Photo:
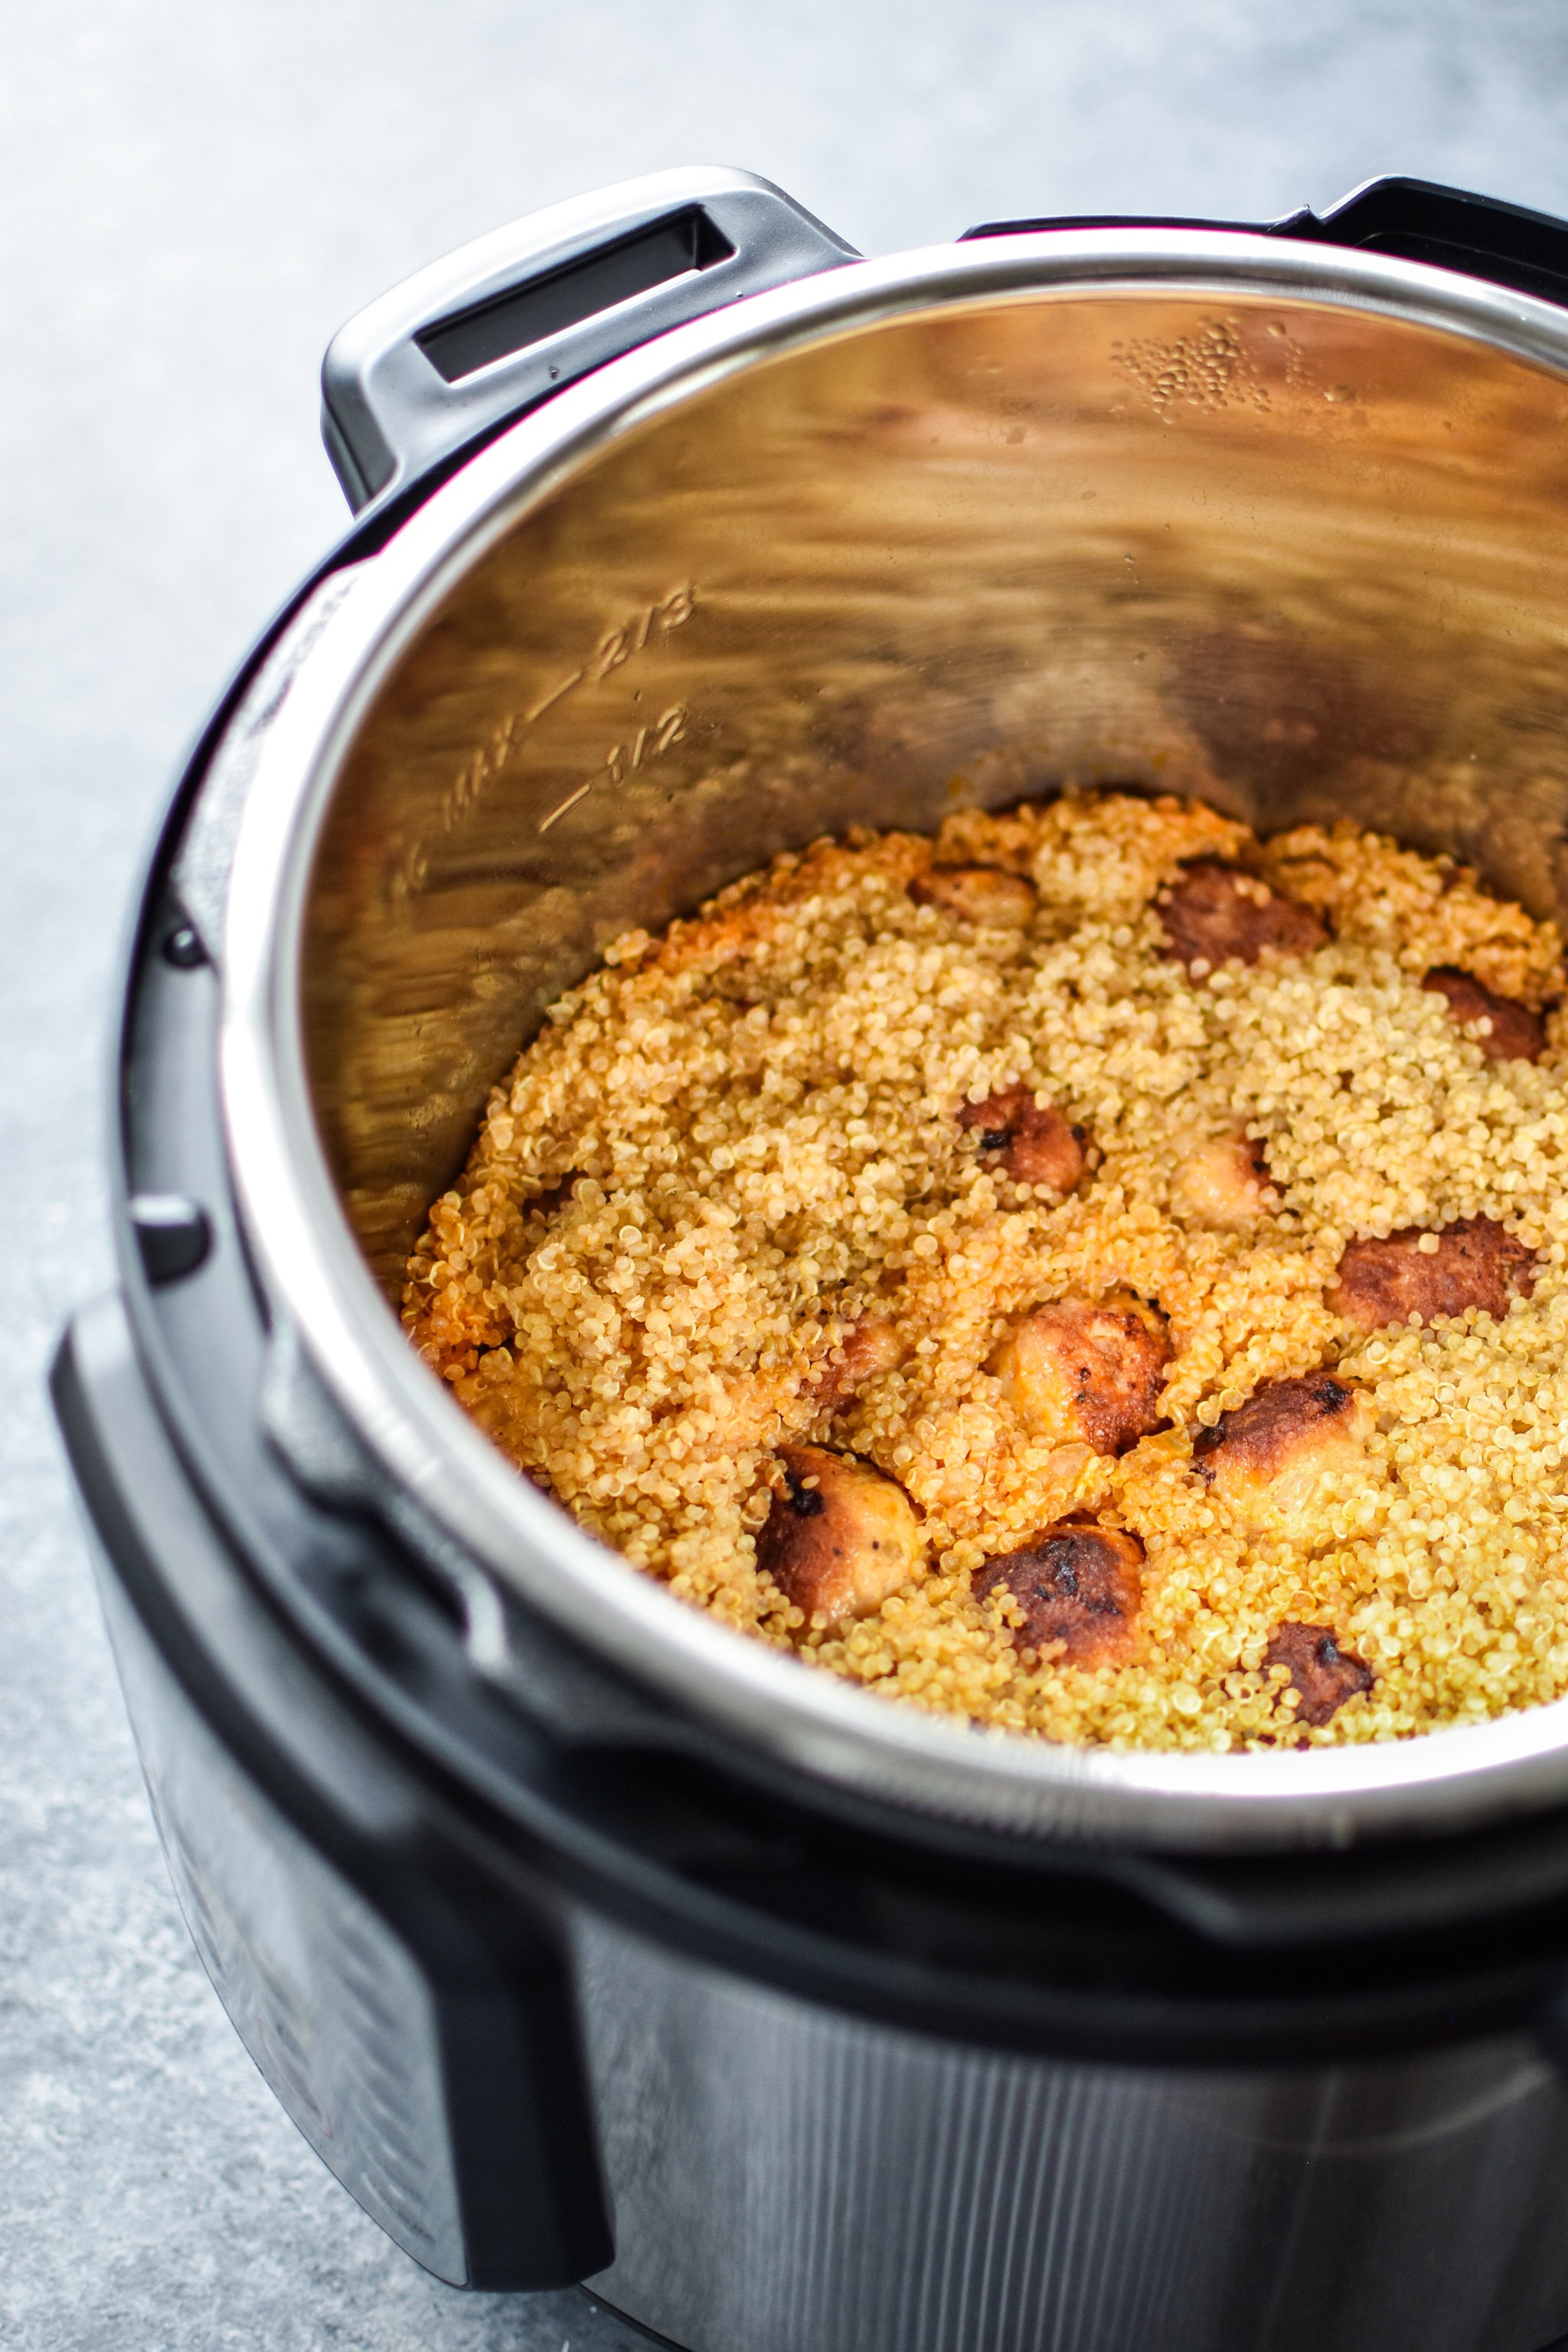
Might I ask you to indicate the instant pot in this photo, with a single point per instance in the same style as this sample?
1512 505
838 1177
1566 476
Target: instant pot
583 1938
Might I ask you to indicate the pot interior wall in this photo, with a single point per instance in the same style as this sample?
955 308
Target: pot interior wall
1304 559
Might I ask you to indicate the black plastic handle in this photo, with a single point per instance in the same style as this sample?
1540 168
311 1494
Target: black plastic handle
473 342
1416 220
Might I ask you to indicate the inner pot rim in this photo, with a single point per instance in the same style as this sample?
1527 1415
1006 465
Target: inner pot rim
311 1268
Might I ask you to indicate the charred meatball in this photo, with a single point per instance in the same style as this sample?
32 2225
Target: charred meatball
1324 1674
1272 1452
1078 1587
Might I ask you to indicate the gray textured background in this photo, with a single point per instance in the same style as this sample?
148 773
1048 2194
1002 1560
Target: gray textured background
192 197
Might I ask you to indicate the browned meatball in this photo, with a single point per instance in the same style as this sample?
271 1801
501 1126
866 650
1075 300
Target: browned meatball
1225 1184
1030 1142
1090 1373
1324 1674
1078 1585
1476 1263
1271 1451
873 1346
1513 1033
986 895
840 1537
1215 914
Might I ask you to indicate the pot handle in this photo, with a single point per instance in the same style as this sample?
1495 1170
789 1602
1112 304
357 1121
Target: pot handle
470 343
1416 219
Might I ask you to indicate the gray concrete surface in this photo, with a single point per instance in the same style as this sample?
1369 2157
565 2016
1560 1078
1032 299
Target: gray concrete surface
191 198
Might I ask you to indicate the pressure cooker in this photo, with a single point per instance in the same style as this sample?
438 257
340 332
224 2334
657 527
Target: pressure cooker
584 1939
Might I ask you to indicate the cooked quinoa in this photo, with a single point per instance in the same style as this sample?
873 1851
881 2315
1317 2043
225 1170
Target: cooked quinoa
746 1211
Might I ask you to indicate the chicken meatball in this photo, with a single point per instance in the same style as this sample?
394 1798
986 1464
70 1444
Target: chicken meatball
1225 1184
1215 914
984 895
839 1537
1076 1371
1270 1453
1512 1032
873 1346
1320 1670
1476 1263
1028 1140
1078 1587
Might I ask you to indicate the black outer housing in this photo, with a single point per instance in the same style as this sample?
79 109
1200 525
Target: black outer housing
322 1652
1418 220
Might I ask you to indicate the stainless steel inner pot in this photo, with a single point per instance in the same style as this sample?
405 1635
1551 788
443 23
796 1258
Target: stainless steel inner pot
1191 511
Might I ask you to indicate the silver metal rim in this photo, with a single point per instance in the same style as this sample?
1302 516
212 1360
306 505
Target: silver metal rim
313 1272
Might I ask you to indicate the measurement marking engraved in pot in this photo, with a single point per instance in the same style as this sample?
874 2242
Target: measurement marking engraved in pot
614 648
647 744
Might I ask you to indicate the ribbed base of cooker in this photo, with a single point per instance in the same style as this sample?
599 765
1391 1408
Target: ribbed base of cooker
787 2181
